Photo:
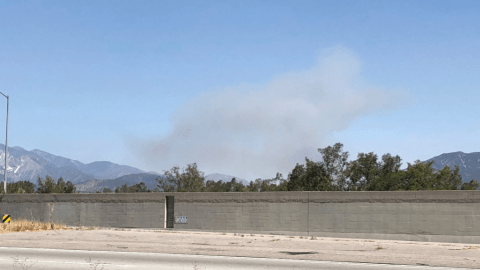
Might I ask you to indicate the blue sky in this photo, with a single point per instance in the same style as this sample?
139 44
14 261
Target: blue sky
246 88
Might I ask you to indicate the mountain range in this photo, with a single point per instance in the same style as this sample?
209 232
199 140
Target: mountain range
468 163
29 165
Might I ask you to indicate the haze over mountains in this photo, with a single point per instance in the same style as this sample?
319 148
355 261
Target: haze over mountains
28 165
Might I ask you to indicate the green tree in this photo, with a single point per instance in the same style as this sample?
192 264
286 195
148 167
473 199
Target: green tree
212 186
363 171
122 189
70 187
46 186
60 186
18 187
282 186
49 186
419 176
446 179
389 177
335 162
140 187
107 190
254 186
190 180
234 186
473 185
311 177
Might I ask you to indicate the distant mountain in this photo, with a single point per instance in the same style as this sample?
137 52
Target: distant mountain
148 178
469 164
131 179
225 178
28 165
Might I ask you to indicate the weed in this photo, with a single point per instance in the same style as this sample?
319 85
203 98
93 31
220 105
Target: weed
379 247
21 263
95 265
195 267
23 225
313 238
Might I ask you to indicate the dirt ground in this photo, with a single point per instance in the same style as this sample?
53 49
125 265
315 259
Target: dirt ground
252 245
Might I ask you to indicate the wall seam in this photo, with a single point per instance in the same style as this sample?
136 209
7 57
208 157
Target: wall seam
308 215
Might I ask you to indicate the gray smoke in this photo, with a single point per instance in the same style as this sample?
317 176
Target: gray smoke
258 131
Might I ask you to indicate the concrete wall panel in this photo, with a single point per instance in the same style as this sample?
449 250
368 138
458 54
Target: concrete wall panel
418 215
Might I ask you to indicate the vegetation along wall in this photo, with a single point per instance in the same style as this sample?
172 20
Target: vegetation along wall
440 216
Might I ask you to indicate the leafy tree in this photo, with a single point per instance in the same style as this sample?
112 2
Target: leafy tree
473 185
18 187
190 180
363 171
60 186
122 189
389 176
419 176
335 162
296 179
212 186
234 186
446 179
107 190
253 186
46 186
140 187
266 185
282 186
49 186
311 177
70 187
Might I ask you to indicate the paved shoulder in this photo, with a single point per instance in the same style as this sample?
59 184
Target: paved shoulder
53 259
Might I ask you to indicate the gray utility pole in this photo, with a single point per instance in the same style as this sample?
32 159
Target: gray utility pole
6 150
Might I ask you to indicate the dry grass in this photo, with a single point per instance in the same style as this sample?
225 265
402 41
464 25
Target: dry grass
32 226
471 247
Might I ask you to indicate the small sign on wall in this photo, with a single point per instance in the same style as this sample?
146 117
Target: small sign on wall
181 219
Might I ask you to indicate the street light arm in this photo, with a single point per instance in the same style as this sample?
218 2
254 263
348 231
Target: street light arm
4 95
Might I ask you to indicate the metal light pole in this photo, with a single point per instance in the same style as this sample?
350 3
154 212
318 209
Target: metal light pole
6 150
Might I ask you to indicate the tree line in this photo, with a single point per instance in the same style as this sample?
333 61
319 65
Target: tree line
47 185
334 173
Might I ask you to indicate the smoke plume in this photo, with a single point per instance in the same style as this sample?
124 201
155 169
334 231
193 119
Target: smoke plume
255 132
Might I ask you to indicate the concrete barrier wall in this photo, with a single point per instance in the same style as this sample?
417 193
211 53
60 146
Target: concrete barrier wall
442 216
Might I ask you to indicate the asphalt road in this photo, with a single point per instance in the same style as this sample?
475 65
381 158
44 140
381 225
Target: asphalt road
53 259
